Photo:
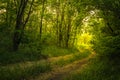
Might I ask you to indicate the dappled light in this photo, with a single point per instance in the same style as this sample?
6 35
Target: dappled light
84 41
59 39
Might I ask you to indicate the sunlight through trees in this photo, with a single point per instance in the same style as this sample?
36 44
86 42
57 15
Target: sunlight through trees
38 29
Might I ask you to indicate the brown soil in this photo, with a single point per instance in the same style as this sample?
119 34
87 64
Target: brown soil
58 73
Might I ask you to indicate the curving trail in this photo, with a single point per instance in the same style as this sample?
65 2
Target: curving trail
58 73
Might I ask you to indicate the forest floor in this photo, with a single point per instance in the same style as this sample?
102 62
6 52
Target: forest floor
51 68
59 73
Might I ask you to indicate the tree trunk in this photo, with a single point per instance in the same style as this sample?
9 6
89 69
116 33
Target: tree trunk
20 24
41 19
68 33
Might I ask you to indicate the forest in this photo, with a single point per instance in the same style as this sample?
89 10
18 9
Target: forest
59 39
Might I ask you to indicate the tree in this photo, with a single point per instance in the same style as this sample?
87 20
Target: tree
42 15
21 21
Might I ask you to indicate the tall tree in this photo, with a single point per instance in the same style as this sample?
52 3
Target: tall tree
21 21
41 18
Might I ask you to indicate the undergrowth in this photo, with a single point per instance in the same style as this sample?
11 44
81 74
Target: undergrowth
19 56
75 57
98 69
23 73
54 51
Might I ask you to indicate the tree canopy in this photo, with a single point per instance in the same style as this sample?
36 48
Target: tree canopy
30 26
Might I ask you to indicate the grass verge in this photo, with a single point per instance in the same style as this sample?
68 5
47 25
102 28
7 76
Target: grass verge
98 69
76 56
22 72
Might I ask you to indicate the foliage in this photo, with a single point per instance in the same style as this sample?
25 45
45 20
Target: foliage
31 30
98 69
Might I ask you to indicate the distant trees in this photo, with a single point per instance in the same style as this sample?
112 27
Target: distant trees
42 16
56 22
54 18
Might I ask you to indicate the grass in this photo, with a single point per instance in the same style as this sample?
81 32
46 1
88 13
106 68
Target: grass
32 54
98 69
54 51
22 71
17 57
19 72
74 57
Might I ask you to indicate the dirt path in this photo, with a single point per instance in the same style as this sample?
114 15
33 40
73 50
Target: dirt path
58 73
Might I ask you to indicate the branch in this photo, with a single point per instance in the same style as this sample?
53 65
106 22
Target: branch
30 10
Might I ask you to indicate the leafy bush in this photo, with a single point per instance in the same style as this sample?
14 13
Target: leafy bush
108 46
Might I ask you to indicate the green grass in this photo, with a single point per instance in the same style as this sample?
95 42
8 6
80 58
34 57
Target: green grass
54 51
32 54
75 57
22 73
19 56
98 69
